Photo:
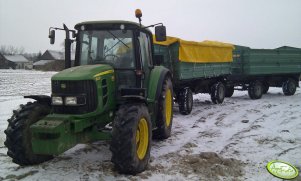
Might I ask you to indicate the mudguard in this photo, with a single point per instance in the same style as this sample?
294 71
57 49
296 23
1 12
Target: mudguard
157 77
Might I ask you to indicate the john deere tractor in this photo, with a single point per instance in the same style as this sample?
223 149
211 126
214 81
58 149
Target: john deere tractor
113 92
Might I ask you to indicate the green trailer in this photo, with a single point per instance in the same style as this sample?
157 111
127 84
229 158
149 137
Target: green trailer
256 70
197 67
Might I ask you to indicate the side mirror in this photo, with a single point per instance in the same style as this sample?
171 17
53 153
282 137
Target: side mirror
160 32
159 59
52 36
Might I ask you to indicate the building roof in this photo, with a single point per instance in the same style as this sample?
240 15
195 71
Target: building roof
16 58
43 62
57 55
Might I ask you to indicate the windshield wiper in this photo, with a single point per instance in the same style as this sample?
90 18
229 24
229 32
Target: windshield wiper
113 46
118 39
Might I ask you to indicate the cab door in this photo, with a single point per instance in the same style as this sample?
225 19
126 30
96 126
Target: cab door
145 50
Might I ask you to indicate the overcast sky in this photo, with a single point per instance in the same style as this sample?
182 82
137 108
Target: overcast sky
254 23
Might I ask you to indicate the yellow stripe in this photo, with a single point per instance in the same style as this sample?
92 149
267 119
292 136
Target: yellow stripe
104 73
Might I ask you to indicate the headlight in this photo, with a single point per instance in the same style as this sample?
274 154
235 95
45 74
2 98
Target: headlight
71 101
57 101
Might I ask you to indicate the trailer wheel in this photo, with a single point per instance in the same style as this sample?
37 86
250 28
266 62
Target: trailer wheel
255 90
185 100
289 87
131 139
18 134
165 111
265 88
217 93
229 91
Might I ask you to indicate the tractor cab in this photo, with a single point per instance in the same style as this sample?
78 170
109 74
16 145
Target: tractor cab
126 46
123 45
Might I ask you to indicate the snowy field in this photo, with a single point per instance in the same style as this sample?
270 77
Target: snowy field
231 141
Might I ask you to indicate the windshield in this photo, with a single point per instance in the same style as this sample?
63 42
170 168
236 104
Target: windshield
114 47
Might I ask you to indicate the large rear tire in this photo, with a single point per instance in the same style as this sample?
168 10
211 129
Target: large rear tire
131 139
185 100
255 90
289 87
217 93
18 134
165 111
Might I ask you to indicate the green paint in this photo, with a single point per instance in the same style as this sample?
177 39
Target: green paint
85 72
282 170
247 61
55 133
153 83
183 71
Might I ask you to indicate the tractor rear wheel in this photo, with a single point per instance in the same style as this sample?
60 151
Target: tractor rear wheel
131 139
255 90
165 111
185 99
18 134
217 93
289 87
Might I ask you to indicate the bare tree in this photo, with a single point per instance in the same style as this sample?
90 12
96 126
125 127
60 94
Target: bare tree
11 50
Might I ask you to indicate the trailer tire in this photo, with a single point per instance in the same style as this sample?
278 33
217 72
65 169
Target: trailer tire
289 87
185 101
131 139
218 93
18 134
229 91
165 111
255 90
265 88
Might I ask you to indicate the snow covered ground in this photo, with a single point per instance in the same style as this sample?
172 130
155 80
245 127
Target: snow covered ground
231 141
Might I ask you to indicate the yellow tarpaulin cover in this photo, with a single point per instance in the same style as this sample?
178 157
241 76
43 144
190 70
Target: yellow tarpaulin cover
206 51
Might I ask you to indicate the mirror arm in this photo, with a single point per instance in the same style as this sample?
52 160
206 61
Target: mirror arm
153 25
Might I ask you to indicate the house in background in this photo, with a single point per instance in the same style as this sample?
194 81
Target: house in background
51 60
14 62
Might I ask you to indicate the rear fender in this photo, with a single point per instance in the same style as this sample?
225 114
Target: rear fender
157 77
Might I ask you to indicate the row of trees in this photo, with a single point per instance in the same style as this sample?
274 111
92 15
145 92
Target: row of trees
12 50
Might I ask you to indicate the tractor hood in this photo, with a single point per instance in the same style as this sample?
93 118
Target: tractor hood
85 72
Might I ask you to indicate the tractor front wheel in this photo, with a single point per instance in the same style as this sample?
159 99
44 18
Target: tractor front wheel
131 139
18 134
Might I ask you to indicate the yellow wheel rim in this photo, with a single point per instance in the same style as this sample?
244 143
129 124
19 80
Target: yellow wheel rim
142 138
168 107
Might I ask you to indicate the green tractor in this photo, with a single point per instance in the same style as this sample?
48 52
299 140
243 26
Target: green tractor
113 92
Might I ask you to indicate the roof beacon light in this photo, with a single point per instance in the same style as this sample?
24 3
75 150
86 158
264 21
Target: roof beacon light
138 15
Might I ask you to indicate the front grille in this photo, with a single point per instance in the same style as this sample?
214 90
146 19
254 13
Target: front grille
74 88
